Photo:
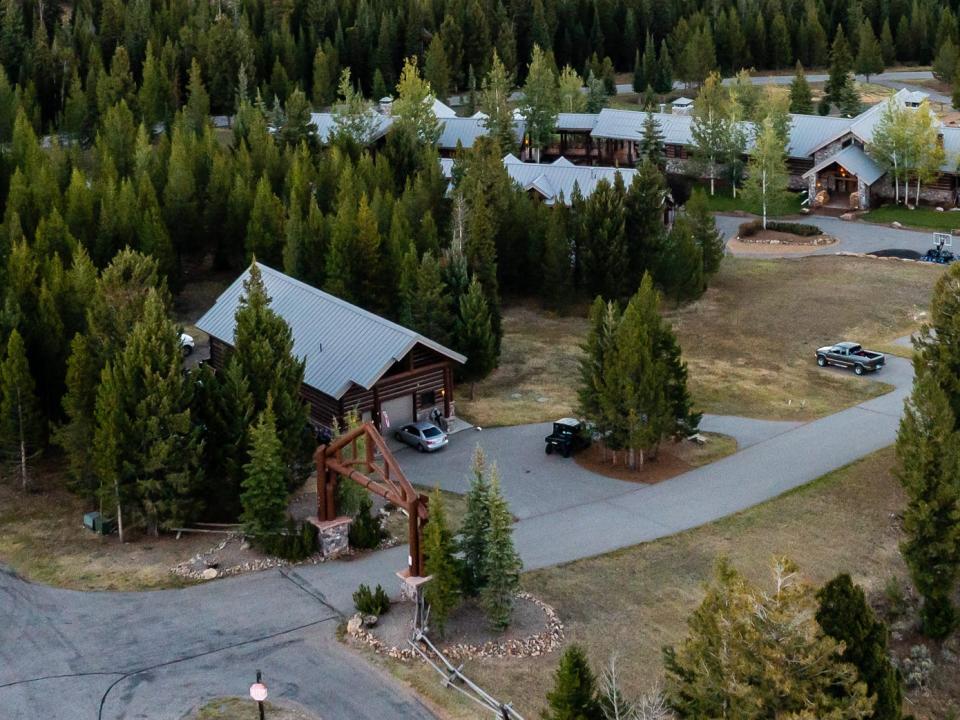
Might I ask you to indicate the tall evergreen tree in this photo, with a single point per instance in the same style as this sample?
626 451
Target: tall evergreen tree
264 351
264 495
557 279
840 81
495 103
474 533
442 593
869 60
844 615
651 146
21 423
265 232
474 334
430 312
597 348
413 108
801 98
705 232
501 563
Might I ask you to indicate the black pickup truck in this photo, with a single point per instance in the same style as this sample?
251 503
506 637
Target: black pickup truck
848 354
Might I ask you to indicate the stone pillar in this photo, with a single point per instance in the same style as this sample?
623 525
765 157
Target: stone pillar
333 535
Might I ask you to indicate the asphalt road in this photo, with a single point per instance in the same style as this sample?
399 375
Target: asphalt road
852 236
156 655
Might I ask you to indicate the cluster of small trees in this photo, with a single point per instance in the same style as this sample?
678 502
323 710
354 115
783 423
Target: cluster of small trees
928 450
751 652
906 145
633 383
481 561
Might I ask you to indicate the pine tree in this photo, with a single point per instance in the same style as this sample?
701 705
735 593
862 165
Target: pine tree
21 423
476 526
442 593
501 563
887 49
436 68
869 55
597 348
681 267
839 82
945 64
603 233
640 80
752 653
705 232
574 693
413 108
596 94
197 110
430 311
651 146
844 615
644 204
265 232
801 98
928 450
495 103
557 279
264 495
264 351
474 334
540 101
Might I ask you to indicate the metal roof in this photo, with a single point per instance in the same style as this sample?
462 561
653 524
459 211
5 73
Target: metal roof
808 133
327 124
341 344
855 161
569 122
466 130
558 179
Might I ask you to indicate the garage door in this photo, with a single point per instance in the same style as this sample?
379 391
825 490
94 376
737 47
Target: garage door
398 411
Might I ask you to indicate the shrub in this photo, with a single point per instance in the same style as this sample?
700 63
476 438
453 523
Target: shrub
896 600
371 603
366 530
754 226
918 667
296 542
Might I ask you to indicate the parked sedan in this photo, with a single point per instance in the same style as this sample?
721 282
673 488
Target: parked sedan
424 436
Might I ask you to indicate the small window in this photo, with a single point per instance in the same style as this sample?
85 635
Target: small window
428 397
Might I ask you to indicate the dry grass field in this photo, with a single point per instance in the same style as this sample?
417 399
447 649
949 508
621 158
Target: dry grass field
749 341
636 601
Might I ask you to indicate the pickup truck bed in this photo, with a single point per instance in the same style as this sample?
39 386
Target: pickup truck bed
850 355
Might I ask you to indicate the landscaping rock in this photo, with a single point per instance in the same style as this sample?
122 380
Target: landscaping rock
355 624
895 224
209 574
848 216
370 620
939 209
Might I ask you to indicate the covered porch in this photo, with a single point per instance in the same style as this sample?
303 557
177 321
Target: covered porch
843 180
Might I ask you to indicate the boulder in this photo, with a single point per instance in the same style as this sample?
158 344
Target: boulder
370 620
354 624
209 574
895 224
939 209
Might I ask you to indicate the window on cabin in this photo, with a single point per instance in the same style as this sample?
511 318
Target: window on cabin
428 397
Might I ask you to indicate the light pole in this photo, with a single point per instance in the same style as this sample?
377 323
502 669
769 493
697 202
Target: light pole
258 691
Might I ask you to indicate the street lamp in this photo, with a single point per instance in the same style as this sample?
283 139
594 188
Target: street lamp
258 691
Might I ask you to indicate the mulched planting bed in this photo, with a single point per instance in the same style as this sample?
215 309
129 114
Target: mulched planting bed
534 630
665 466
775 237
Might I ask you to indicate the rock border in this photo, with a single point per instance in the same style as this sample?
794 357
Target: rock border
804 241
541 643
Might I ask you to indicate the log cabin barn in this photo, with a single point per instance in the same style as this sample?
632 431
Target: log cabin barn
354 360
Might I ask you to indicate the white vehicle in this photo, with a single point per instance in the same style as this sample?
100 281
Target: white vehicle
187 343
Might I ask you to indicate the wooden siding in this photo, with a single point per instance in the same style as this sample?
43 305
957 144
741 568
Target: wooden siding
421 370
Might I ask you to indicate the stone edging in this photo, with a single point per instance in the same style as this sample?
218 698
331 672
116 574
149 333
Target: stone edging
186 570
541 643
814 241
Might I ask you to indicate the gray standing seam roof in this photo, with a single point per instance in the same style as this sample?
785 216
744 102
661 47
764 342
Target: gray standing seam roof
341 344
327 124
553 180
466 130
855 161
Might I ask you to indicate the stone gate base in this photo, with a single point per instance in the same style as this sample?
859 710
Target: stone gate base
333 535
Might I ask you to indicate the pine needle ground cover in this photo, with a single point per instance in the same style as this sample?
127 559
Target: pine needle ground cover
634 601
749 341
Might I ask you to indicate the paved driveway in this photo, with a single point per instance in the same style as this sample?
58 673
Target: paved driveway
852 236
157 655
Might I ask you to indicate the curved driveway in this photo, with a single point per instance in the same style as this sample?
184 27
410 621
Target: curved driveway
156 655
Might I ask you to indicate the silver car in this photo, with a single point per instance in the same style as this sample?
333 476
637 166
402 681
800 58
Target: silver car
424 436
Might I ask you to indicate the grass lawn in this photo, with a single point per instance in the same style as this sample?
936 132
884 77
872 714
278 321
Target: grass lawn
921 217
635 601
454 506
235 708
748 341
723 201
42 537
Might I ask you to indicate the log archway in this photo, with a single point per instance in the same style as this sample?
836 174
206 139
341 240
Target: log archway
353 455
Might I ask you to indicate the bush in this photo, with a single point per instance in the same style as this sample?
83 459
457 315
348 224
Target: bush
366 530
896 600
754 226
295 543
371 603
